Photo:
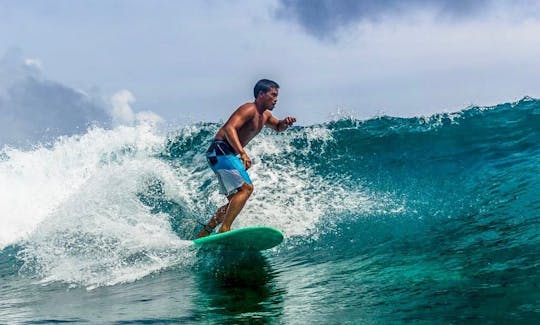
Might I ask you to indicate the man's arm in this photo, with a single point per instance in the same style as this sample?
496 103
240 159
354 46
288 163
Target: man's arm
279 125
235 122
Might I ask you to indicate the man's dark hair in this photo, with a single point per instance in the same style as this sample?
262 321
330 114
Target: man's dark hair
264 85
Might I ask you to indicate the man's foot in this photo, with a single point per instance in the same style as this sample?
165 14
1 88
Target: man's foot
207 230
224 229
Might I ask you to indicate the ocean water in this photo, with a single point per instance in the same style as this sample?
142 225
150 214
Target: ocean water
432 220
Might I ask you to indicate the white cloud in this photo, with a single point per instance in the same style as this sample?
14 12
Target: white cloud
34 63
122 113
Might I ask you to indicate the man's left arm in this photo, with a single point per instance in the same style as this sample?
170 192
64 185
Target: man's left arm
280 125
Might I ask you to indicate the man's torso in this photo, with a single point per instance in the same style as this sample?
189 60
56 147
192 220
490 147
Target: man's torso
251 127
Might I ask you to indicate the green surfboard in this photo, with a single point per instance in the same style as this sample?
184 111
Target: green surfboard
250 238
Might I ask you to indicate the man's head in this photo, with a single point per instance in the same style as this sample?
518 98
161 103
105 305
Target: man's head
264 85
266 92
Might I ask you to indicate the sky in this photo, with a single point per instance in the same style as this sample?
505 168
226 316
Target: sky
67 63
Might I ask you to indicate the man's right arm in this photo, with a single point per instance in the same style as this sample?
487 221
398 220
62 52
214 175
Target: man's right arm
236 121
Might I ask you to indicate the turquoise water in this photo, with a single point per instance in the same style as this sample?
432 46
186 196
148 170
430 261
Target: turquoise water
387 220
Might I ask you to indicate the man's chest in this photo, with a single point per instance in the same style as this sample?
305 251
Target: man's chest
255 124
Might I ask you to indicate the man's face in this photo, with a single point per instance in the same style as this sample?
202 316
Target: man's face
270 98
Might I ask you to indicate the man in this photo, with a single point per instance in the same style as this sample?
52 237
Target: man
243 125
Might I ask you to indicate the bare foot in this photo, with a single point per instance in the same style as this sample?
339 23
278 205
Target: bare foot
205 232
224 229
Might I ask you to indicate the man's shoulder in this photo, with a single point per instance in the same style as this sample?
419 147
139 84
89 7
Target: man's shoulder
247 108
248 105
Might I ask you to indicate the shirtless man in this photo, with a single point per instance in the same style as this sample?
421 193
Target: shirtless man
243 125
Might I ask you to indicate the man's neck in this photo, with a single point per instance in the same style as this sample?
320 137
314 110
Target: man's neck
259 107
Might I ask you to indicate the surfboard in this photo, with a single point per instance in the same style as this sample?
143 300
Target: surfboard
250 238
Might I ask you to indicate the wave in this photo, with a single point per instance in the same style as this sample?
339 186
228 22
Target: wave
112 206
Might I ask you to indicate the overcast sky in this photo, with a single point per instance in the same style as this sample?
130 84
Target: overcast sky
198 60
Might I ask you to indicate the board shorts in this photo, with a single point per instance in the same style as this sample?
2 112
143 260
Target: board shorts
228 168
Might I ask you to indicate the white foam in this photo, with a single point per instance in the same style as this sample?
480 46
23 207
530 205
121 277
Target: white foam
35 182
77 212
103 234
295 198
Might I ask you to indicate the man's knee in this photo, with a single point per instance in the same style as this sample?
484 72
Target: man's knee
247 187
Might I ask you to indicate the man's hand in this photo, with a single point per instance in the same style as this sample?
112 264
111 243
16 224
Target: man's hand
289 120
246 160
286 122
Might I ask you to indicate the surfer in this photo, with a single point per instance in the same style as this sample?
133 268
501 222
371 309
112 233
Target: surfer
243 125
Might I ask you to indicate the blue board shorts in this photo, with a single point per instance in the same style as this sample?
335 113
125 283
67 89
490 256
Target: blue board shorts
228 168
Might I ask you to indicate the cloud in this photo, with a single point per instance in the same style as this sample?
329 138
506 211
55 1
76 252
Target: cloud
122 113
35 109
34 63
406 59
323 18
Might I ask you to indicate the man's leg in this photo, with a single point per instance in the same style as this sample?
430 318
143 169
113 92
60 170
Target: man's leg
229 211
214 221
236 203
